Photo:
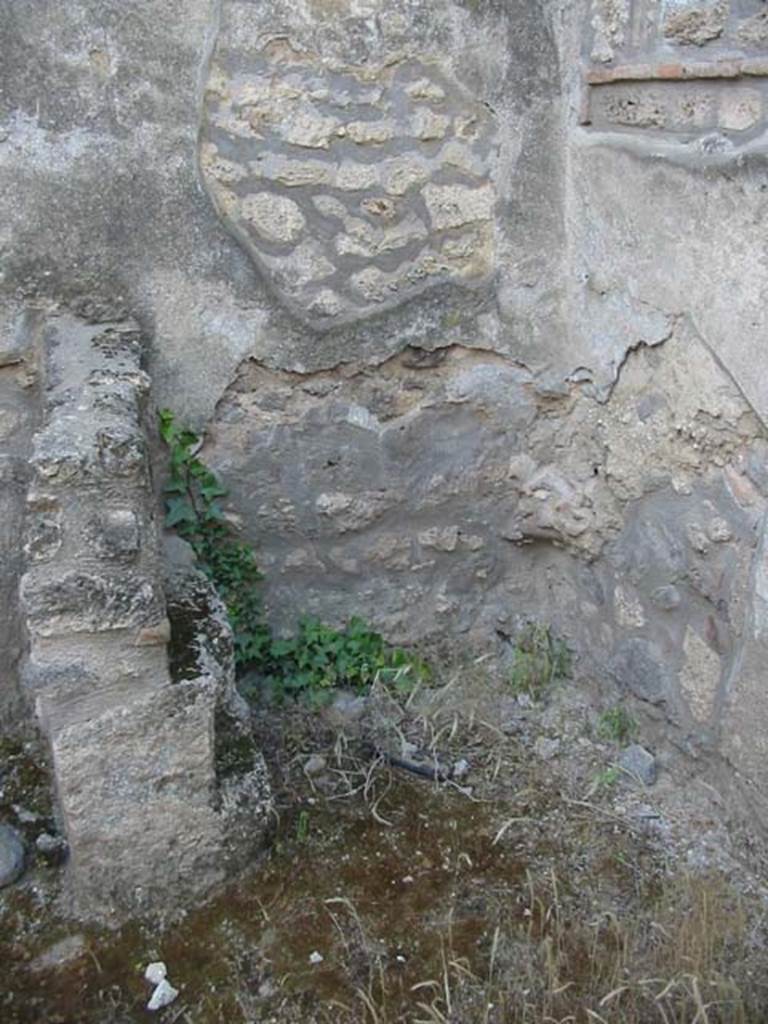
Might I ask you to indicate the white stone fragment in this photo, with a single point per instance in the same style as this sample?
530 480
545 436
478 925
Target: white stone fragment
163 995
458 154
316 958
326 303
361 239
423 89
309 129
373 284
411 229
225 171
305 264
402 173
740 109
444 539
355 177
293 173
329 207
156 972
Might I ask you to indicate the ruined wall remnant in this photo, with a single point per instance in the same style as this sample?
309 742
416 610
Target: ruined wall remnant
18 416
607 477
133 751
469 299
685 97
676 113
633 525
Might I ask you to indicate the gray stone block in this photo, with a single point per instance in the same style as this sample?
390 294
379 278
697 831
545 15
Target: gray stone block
11 855
116 534
136 790
87 602
637 666
639 763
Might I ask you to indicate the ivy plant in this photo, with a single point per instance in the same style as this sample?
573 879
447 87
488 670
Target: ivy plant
317 657
193 510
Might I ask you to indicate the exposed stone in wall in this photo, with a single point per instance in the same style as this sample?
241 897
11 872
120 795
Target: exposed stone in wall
692 109
360 160
753 32
661 88
133 752
18 415
672 115
609 20
443 494
694 23
354 187
112 172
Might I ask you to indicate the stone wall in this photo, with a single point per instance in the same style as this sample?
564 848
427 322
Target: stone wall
469 297
667 195
19 412
134 750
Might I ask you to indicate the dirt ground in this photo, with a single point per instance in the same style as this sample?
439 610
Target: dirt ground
538 882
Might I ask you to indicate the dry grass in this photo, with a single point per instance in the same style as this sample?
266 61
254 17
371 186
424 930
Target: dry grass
602 930
672 965
516 899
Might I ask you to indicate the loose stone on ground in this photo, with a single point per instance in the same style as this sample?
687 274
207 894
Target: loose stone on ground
639 763
11 855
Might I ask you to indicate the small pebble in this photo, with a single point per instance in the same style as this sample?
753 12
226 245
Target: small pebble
267 989
25 816
163 995
347 710
315 764
546 748
461 769
156 972
639 763
52 848
316 958
61 953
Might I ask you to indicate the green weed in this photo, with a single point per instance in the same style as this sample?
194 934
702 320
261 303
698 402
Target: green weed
616 725
539 659
317 657
605 779
302 827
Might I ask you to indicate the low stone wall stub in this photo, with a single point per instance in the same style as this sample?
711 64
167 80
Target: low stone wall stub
134 751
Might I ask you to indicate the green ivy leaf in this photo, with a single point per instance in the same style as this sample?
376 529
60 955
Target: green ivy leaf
213 490
179 510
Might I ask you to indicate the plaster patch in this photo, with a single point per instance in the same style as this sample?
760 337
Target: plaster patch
700 676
